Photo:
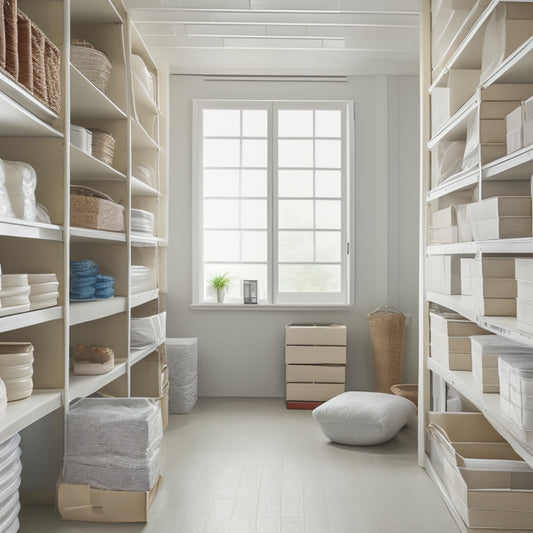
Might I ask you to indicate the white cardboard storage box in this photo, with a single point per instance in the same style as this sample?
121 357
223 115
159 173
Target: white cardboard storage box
502 228
493 267
313 392
316 334
335 355
81 502
455 325
500 207
493 287
451 360
450 344
524 290
494 306
524 311
443 274
315 373
443 235
443 218
523 269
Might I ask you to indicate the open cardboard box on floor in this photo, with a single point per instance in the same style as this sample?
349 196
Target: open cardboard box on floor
83 503
484 496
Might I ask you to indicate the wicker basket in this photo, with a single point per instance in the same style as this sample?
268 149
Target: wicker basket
52 67
24 49
37 58
103 146
94 210
407 390
11 36
92 63
387 333
2 36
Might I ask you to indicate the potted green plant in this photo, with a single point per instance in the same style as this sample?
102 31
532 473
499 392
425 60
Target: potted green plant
220 282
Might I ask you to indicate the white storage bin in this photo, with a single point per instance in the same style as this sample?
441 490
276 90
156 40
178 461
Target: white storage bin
81 138
443 274
142 221
446 160
148 330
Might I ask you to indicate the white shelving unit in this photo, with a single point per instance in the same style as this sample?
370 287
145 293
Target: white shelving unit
465 52
31 132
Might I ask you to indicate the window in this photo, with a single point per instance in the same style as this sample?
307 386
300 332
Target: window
271 187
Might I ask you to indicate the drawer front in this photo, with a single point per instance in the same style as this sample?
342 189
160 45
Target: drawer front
316 373
313 391
333 355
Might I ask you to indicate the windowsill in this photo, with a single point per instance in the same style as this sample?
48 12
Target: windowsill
270 307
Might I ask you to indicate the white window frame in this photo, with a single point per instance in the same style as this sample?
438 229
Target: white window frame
275 298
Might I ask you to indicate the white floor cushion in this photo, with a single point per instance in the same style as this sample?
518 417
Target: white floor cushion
362 418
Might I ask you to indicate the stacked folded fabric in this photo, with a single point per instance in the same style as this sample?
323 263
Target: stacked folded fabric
14 294
43 290
10 471
86 283
142 221
16 369
141 278
113 443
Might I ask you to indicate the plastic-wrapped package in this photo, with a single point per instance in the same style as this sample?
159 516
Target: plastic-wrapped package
129 427
5 204
21 181
147 330
41 214
182 357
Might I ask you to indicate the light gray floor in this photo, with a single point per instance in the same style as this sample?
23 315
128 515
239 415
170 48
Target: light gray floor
249 465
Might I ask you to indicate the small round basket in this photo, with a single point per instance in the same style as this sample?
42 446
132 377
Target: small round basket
407 390
103 146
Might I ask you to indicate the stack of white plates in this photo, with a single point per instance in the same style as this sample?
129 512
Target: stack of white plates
81 138
15 294
142 221
143 173
141 278
16 369
43 290
10 470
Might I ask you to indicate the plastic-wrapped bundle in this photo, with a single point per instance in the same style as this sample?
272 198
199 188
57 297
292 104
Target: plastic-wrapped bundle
21 181
182 357
5 204
147 330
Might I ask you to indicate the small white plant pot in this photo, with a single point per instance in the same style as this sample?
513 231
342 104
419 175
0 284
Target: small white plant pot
221 293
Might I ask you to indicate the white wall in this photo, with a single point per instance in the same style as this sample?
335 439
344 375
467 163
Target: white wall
241 352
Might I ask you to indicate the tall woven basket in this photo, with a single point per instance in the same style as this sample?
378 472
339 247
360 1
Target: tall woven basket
387 333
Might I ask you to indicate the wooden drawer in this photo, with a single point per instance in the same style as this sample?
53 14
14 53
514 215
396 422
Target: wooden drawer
316 373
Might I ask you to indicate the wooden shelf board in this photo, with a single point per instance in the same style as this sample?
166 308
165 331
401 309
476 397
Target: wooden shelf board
87 101
84 166
515 166
489 404
143 297
140 138
455 127
30 318
139 188
21 113
81 312
81 386
84 235
138 355
142 98
459 181
22 413
15 227
499 246
93 12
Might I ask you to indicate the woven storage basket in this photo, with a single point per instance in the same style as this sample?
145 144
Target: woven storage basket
94 210
52 68
92 63
2 36
103 146
11 33
38 39
387 332
407 390
24 47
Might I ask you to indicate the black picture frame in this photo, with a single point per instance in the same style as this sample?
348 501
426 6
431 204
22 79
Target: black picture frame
249 291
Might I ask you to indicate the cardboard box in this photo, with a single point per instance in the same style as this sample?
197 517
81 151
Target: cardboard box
313 392
494 306
444 218
315 373
443 274
497 109
524 291
503 188
493 267
443 235
523 269
493 288
81 502
146 377
507 92
502 228
486 376
524 312
492 130
514 140
316 334
450 344
500 207
451 360
454 325
331 355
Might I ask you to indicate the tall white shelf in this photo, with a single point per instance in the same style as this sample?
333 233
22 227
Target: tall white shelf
465 53
31 132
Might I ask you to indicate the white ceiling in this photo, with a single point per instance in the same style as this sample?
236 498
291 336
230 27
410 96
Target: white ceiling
282 37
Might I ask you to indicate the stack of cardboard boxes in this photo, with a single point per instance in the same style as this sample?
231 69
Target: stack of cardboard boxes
315 357
524 302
